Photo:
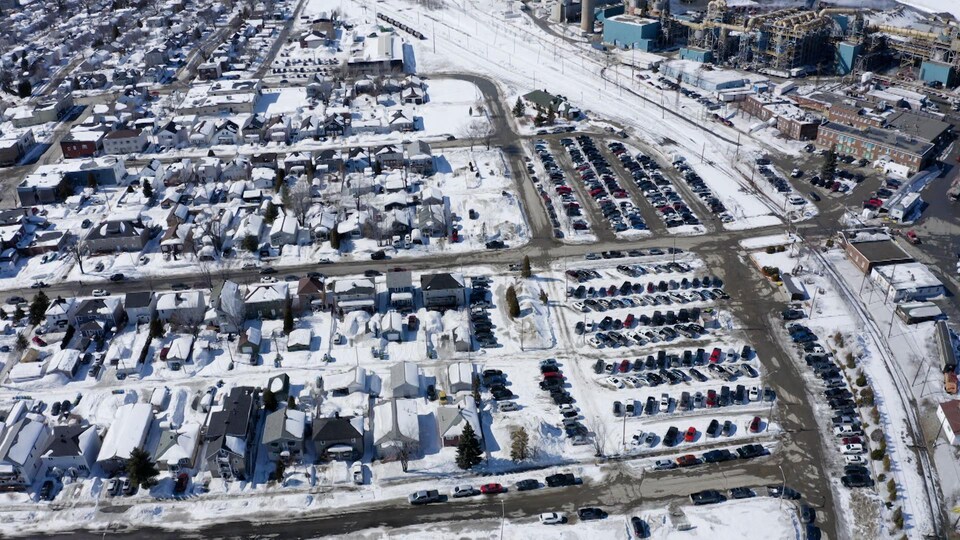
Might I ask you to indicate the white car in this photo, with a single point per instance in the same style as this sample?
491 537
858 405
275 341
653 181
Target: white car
851 449
579 440
566 407
100 292
464 491
614 382
594 342
754 393
552 518
665 403
268 279
731 356
854 460
846 430
338 339
579 306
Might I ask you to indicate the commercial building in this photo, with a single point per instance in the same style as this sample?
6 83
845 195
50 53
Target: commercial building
703 76
877 144
907 282
792 121
869 254
14 148
82 144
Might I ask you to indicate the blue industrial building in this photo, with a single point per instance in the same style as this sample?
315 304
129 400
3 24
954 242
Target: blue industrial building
697 55
847 54
630 32
931 71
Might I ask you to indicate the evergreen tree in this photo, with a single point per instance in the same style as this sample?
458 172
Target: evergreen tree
544 299
18 313
271 213
829 168
551 116
525 267
335 238
38 307
519 444
288 317
147 190
270 400
140 468
156 328
24 89
469 452
250 243
24 63
21 342
519 109
513 305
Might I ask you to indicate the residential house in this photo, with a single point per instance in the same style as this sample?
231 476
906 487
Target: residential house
297 163
14 148
285 230
405 380
400 289
157 56
432 220
182 307
348 382
443 291
266 300
203 132
413 96
178 447
249 343
352 294
419 157
278 128
82 143
113 236
59 313
139 306
329 159
401 121
171 134
94 316
335 125
177 354
23 438
451 420
209 169
124 141
128 430
310 293
178 240
283 433
338 437
460 377
388 156
230 433
396 429
72 451
227 131
229 309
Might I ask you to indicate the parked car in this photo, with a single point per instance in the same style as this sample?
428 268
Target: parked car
181 484
47 490
424 497
590 513
492 489
709 496
527 484
464 491
552 518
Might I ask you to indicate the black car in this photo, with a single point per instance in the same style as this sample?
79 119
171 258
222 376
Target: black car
709 496
371 273
117 277
742 493
813 532
807 514
561 479
268 270
640 527
527 484
713 430
856 480
586 514
378 255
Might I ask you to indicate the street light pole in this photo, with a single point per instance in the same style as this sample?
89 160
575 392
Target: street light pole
783 486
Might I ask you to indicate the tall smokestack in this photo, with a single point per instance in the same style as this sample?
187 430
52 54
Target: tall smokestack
586 16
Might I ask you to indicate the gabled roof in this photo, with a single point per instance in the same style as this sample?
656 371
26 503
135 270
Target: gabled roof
137 300
66 441
441 282
338 428
283 425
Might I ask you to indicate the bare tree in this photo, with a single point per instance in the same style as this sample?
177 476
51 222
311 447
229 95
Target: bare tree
298 199
599 437
403 454
477 130
77 249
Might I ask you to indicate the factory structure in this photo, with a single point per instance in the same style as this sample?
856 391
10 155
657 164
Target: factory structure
792 42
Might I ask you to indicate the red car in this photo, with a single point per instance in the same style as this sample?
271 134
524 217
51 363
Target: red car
181 485
755 425
624 366
690 434
628 322
552 375
715 356
852 440
711 398
492 489
38 341
687 460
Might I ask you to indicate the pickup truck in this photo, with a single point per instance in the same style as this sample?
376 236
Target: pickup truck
424 497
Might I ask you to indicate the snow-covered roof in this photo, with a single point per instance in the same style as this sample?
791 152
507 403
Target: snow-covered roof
267 292
180 300
460 373
348 382
180 348
179 444
301 337
396 421
128 430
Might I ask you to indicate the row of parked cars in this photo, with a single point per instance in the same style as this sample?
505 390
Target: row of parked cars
554 382
711 398
600 181
572 209
656 188
704 193
479 313
492 488
847 423
640 337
